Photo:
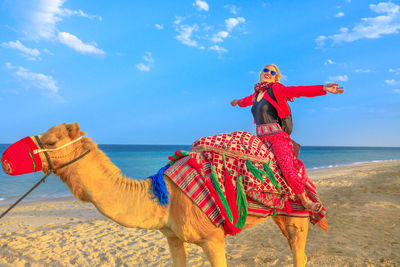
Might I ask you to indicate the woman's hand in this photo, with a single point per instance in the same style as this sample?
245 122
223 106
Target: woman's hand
234 102
333 88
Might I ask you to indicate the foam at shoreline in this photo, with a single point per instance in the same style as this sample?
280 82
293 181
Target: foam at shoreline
350 164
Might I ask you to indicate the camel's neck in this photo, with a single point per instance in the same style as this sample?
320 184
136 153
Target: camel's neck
126 201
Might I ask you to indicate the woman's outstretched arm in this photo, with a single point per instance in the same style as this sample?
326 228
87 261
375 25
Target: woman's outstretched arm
308 91
244 102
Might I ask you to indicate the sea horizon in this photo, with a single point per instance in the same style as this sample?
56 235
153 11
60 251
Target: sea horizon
172 145
144 160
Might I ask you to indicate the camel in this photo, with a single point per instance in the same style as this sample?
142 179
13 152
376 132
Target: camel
129 202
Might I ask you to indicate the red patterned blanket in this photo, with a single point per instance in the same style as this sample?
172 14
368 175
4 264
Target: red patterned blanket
238 161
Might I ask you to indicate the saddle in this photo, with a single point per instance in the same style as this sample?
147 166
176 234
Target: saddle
222 173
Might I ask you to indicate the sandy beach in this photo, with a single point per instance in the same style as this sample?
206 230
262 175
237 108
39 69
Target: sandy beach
362 201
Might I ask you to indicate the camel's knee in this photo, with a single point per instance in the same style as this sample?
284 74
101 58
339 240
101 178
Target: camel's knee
292 234
296 234
177 247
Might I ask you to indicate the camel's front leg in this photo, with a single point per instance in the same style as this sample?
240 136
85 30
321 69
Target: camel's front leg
178 251
295 230
215 251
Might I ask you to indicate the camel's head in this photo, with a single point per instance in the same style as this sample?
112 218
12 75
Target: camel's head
60 143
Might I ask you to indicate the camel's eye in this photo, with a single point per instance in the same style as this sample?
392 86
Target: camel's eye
51 143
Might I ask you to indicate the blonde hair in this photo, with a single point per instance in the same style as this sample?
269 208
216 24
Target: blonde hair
278 73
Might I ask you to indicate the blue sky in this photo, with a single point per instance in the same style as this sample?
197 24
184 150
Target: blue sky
164 72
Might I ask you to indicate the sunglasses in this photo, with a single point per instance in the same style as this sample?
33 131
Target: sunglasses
268 70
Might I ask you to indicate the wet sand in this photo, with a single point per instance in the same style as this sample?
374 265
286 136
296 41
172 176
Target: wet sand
363 204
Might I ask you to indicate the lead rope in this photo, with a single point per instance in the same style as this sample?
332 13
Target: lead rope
51 170
27 193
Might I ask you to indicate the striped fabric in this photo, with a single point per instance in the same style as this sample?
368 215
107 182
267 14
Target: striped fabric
191 183
234 149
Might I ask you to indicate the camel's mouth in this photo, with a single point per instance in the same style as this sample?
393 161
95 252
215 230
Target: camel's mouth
6 166
19 158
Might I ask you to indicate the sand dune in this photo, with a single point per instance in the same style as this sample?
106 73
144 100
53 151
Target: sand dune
363 204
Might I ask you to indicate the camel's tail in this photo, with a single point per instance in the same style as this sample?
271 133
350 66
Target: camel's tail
323 223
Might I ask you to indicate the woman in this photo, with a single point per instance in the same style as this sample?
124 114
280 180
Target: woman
269 108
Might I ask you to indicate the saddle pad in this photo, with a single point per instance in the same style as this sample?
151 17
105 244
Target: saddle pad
242 154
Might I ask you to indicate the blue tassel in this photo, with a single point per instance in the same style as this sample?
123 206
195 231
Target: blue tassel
159 187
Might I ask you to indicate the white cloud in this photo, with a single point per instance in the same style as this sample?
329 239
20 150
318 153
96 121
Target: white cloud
339 78
205 36
233 9
397 91
37 80
65 12
185 34
385 7
321 41
45 14
219 37
75 43
395 71
40 22
230 24
143 67
233 22
178 20
31 52
42 18
159 26
329 62
148 57
201 5
362 70
392 82
48 52
339 15
218 49
386 22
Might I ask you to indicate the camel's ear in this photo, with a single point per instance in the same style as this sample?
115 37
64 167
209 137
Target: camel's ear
73 130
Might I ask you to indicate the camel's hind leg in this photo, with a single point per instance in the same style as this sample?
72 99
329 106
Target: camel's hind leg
178 251
295 230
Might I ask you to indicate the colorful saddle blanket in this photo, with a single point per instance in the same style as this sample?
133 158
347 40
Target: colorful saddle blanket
230 156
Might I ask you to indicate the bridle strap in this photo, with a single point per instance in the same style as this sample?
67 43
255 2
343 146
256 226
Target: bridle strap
58 148
72 161
51 170
45 153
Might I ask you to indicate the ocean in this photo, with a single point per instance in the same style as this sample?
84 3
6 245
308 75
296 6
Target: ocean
141 161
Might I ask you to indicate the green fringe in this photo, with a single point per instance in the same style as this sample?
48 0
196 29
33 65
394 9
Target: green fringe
184 153
176 158
241 203
223 157
271 176
215 182
256 172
